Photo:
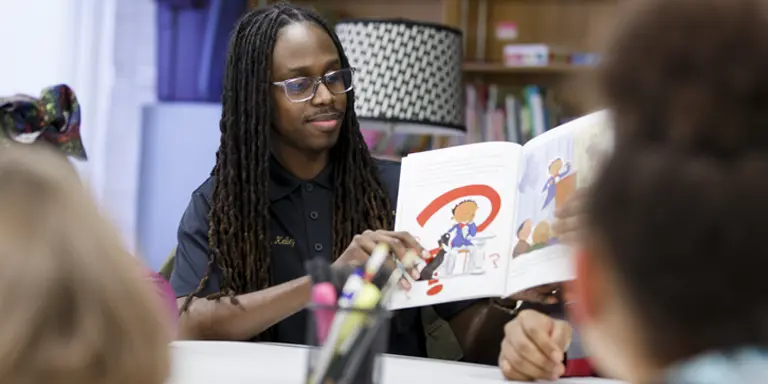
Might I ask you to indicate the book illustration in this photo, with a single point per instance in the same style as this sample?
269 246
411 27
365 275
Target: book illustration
481 246
523 235
556 173
429 268
461 246
548 181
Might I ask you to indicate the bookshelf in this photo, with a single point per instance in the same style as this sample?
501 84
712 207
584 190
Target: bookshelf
576 26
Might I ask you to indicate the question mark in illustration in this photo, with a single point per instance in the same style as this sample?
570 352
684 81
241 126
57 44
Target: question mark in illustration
495 258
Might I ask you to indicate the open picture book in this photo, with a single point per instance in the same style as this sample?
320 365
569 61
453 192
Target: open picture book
485 211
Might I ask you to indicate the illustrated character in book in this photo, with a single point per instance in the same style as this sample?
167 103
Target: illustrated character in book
523 234
556 173
463 232
542 236
465 228
435 262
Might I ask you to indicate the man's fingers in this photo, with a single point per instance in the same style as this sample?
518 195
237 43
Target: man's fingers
408 240
540 294
575 204
567 224
537 327
573 238
366 242
562 334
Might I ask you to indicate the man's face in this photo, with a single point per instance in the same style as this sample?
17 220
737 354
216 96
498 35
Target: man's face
305 50
465 212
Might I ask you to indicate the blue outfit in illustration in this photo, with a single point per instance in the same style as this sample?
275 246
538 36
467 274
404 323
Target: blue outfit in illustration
465 228
555 175
459 238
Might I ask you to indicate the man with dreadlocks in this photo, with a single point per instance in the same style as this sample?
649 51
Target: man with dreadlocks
293 180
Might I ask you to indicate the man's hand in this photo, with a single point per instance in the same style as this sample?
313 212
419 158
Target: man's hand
543 294
534 346
400 243
570 218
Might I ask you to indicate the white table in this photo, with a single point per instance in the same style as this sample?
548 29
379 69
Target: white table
204 362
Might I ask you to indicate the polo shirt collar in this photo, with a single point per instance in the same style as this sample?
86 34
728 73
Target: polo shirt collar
283 182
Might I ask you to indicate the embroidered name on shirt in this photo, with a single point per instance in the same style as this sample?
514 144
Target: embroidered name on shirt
284 240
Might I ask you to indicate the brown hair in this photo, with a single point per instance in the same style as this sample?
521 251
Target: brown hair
76 307
681 205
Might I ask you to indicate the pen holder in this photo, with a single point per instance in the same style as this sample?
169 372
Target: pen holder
346 344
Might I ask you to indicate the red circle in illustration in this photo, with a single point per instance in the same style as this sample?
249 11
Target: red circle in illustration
457 193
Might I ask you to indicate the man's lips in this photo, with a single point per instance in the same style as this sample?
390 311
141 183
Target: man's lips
325 124
325 117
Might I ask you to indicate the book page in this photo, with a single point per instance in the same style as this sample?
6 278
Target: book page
554 166
459 203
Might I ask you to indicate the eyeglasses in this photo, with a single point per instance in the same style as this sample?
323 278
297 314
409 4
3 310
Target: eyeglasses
304 88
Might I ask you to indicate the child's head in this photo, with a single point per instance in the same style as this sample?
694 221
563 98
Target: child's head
675 260
555 166
77 308
464 212
524 230
542 233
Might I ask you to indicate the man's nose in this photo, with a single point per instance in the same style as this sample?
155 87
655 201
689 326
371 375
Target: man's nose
323 95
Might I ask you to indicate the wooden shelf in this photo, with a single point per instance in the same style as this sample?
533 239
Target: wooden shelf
477 68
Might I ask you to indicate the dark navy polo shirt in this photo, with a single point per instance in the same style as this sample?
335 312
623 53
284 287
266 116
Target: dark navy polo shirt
300 229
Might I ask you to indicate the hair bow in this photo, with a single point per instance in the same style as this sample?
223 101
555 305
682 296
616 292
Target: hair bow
53 118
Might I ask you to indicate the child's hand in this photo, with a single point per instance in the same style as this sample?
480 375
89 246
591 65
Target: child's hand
534 346
570 218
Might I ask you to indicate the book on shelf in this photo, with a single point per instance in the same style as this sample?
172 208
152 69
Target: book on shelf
484 211
493 113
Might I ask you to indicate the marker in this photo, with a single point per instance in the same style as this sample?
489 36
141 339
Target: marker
355 283
366 300
323 296
360 350
374 263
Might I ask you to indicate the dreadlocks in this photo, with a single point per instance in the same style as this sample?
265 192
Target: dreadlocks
239 216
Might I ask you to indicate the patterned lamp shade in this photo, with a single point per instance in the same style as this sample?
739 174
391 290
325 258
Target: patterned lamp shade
408 75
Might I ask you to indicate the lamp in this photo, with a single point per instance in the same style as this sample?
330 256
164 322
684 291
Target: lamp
408 77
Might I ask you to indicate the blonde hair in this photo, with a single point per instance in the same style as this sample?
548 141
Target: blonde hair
76 306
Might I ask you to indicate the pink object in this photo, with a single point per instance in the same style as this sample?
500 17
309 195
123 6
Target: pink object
323 295
168 296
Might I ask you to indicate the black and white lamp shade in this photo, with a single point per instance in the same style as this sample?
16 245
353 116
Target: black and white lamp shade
408 75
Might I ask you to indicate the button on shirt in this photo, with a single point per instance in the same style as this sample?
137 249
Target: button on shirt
301 228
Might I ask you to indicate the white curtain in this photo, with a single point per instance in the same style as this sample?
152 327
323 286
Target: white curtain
93 46
64 41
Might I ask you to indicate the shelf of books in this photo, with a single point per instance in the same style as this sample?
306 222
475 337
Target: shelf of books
494 112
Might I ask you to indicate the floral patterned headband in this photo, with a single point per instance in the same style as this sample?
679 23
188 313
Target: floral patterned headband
53 118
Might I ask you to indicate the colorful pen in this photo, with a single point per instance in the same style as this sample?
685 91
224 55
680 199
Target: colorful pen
355 323
323 297
354 284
